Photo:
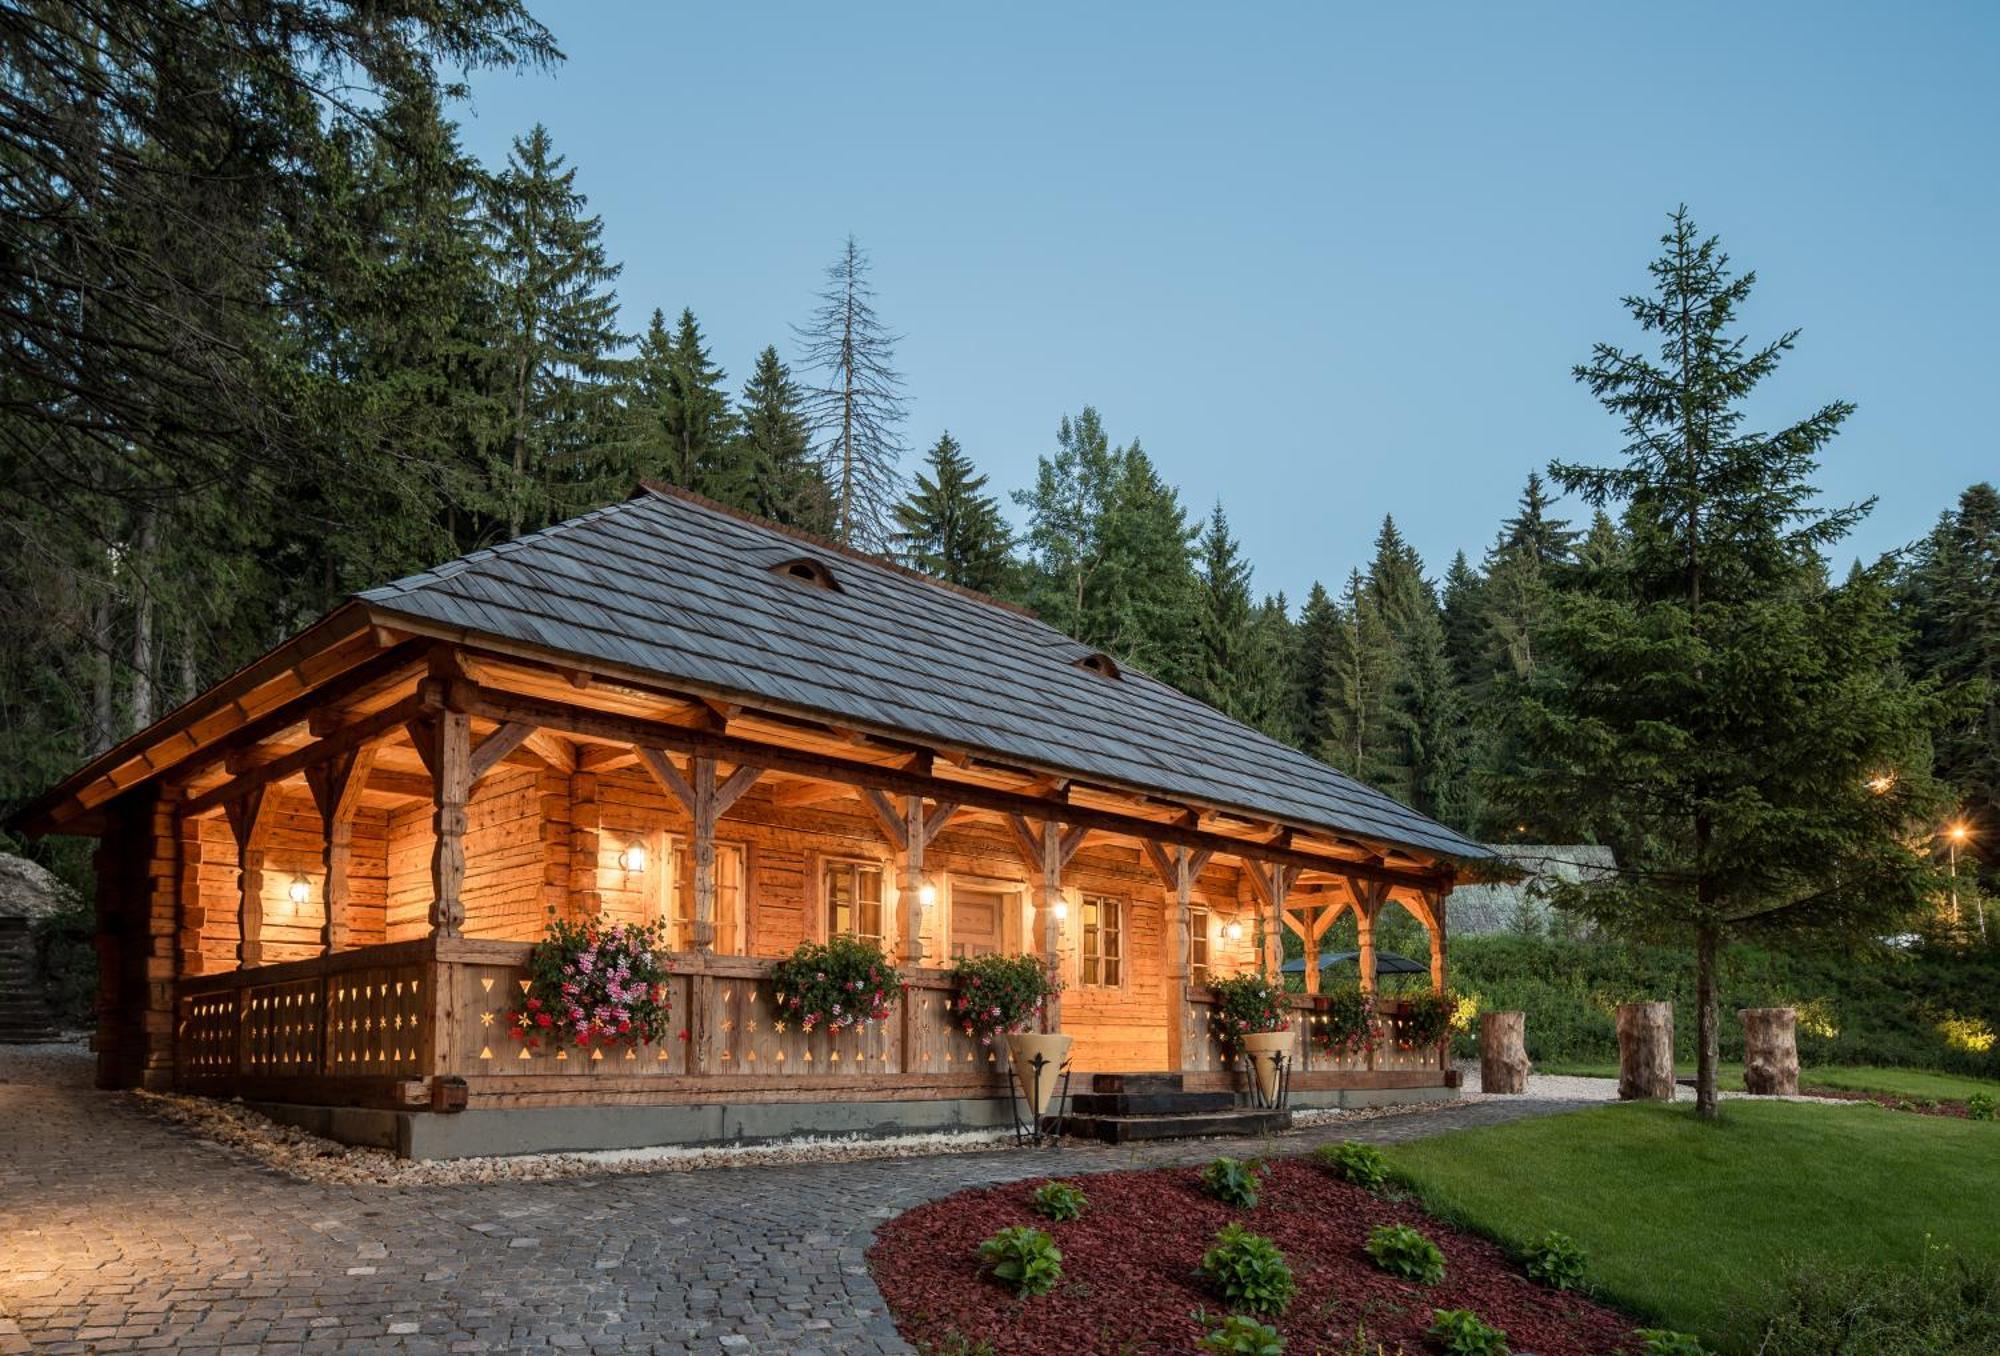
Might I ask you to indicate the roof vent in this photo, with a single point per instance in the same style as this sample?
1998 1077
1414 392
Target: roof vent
1100 664
807 571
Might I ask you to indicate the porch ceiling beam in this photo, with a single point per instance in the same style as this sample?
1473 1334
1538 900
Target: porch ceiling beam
593 724
796 794
364 731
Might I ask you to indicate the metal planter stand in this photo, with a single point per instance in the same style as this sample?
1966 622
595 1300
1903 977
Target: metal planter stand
1281 1083
1045 1129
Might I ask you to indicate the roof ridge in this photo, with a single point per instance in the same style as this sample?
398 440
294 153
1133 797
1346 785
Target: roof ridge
666 491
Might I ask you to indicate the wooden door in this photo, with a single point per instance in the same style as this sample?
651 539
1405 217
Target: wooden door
976 921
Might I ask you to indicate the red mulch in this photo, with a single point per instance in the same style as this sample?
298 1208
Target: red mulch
1131 1282
1893 1102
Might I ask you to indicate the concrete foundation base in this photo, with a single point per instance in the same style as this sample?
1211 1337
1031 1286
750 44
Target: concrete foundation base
575 1129
1356 1099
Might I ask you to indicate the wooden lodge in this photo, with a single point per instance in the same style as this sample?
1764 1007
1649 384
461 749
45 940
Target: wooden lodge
319 882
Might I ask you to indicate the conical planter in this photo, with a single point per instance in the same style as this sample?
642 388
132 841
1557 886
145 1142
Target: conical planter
1258 1049
1038 1082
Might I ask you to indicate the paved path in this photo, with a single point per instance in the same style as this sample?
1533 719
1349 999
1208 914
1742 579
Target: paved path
118 1233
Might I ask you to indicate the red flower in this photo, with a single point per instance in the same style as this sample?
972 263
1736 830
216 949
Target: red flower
543 1019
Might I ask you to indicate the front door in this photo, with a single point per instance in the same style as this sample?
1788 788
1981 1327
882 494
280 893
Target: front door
975 921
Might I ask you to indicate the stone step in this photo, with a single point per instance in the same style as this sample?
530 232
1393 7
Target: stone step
1151 1103
1125 1129
1141 1083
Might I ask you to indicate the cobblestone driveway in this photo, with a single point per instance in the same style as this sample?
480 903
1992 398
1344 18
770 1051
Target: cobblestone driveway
118 1233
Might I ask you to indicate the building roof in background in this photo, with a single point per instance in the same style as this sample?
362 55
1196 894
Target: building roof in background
672 585
1501 906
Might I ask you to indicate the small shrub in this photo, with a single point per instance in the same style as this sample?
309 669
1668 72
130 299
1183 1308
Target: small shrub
1459 1332
1241 1335
1981 1106
1345 1023
1024 1259
1946 1305
998 995
1667 1342
1402 1251
1362 1164
1248 1271
1059 1201
1232 1181
1557 1262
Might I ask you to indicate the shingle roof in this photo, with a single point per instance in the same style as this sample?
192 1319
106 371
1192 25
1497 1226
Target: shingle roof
1507 906
672 585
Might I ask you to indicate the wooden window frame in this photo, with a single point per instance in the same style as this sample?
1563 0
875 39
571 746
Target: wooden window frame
1201 919
1084 898
822 906
672 845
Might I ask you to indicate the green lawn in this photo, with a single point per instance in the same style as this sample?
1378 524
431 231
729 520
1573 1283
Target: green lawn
1899 1082
1684 1221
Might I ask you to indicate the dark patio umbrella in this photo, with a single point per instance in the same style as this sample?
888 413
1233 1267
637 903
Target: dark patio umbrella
1386 963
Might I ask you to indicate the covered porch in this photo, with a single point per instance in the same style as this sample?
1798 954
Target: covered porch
349 902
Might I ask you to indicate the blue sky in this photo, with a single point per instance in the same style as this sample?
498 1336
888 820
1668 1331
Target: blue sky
1326 262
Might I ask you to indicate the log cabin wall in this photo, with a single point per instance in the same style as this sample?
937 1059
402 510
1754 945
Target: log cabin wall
294 850
539 839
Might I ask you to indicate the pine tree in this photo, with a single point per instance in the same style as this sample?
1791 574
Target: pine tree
1716 710
781 479
1356 736
1396 579
685 430
1067 510
1429 718
1465 623
1950 594
856 409
1313 651
558 340
949 528
1224 644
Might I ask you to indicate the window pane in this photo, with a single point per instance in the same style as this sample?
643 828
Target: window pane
839 899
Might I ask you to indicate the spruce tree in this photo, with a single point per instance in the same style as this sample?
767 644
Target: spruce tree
1464 606
781 479
1313 654
1067 509
856 403
558 341
1355 736
1950 594
1144 608
949 528
1225 644
1712 707
685 429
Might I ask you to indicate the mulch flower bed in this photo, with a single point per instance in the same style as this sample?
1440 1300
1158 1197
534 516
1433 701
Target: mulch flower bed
1131 1282
1924 1107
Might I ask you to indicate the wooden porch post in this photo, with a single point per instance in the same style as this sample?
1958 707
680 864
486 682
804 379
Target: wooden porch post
1178 872
909 832
336 789
706 801
1271 883
1047 853
1434 900
443 739
1369 897
247 822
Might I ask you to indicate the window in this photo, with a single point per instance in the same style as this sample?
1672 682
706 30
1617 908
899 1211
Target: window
728 896
1103 941
853 895
808 571
1197 946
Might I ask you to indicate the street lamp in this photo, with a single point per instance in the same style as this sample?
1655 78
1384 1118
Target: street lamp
1955 834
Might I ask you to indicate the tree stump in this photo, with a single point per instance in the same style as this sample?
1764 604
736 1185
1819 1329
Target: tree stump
1646 1052
1770 1051
1503 1052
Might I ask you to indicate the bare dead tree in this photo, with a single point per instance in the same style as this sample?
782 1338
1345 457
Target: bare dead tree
855 405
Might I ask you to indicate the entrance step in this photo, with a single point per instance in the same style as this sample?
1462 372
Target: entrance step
1125 1129
1151 1103
1148 1083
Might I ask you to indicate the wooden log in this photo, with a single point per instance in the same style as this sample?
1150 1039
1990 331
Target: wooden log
1503 1052
1646 1052
1770 1051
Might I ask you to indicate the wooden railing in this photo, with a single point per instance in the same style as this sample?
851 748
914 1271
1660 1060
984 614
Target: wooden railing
378 1026
1392 1051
